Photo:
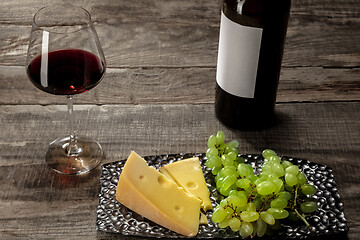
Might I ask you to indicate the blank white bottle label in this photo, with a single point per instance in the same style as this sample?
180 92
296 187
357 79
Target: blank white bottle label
238 56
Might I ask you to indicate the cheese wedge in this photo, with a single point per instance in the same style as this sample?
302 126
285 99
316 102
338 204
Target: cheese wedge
203 219
188 174
148 192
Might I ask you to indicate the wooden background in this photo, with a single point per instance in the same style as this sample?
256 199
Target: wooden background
157 98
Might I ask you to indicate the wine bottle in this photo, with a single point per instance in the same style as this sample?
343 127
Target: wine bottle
251 44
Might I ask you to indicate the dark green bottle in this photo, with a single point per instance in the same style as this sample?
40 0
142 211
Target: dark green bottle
251 44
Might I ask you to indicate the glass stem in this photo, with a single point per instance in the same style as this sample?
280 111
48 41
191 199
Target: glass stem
73 149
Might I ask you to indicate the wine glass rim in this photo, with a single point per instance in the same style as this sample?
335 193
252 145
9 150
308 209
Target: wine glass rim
63 5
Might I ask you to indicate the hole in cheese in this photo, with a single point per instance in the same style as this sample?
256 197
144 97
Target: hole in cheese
141 177
163 181
191 185
177 208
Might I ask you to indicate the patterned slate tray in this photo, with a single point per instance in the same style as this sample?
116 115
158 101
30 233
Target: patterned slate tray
326 221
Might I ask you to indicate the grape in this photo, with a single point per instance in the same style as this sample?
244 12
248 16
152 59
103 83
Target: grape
213 151
288 188
308 207
275 159
301 178
266 187
267 217
219 175
267 168
220 182
251 207
213 161
278 169
210 163
230 211
231 150
218 162
215 170
252 178
223 202
290 179
228 170
242 194
224 223
234 192
267 153
258 202
278 203
237 201
240 209
226 160
232 155
246 229
226 192
270 176
294 170
285 195
260 227
278 184
212 141
245 169
308 189
278 213
220 137
254 224
243 183
249 216
233 144
260 179
228 181
218 215
234 224
286 164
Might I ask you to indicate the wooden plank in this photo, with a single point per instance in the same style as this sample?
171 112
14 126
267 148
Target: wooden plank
332 21
38 203
170 11
172 33
312 129
183 85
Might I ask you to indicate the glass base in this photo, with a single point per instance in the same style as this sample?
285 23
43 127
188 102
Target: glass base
87 155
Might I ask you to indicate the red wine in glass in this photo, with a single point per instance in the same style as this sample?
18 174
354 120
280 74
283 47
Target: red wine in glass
65 58
69 71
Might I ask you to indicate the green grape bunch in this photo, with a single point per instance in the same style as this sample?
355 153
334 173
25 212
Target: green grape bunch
254 204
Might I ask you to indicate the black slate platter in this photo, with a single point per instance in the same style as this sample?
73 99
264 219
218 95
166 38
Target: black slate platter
327 221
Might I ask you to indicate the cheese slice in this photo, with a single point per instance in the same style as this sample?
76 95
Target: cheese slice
203 219
188 174
148 192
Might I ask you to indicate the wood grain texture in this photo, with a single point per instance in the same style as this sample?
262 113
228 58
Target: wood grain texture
166 33
40 204
183 85
306 128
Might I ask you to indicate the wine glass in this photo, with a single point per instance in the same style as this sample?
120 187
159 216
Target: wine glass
65 58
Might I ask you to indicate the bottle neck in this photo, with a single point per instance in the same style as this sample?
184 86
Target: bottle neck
239 6
245 12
